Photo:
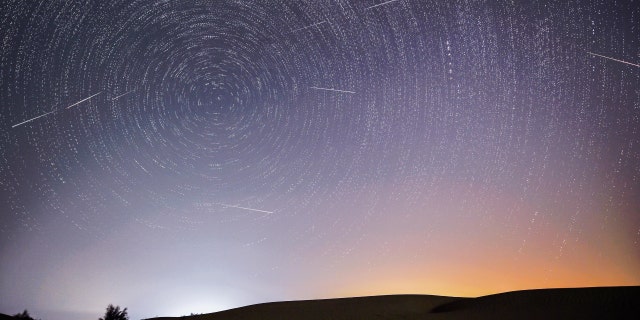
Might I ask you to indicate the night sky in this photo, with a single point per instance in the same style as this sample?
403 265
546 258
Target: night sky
193 156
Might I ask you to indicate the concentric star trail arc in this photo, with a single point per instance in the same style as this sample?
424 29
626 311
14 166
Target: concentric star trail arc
198 155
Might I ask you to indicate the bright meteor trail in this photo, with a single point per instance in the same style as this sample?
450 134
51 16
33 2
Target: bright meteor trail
122 95
83 100
309 26
40 116
614 59
244 208
330 89
50 112
380 4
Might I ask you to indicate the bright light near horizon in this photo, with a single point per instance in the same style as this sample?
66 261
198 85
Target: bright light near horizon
187 304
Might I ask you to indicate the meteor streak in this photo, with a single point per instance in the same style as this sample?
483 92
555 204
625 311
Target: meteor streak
380 4
309 26
40 116
50 112
245 208
601 56
122 95
330 89
83 100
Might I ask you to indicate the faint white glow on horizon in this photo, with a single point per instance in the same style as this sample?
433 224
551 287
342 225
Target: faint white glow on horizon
197 302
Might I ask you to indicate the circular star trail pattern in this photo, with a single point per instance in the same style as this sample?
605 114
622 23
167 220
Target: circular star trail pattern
235 152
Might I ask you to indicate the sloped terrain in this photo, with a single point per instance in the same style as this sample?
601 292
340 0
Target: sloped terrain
574 303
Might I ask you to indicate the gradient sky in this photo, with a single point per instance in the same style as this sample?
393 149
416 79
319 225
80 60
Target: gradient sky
192 156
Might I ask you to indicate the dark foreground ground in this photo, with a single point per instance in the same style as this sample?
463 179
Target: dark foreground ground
579 303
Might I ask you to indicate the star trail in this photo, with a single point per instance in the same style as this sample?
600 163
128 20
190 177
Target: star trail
178 157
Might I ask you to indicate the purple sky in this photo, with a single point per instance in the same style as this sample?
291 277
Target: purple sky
193 156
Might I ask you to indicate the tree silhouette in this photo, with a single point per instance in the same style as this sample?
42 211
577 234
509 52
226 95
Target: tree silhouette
114 313
23 316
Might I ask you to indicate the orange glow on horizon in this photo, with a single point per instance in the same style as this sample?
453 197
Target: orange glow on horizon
491 257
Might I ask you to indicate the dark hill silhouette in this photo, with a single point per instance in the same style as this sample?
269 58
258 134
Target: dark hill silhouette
574 303
567 303
383 307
